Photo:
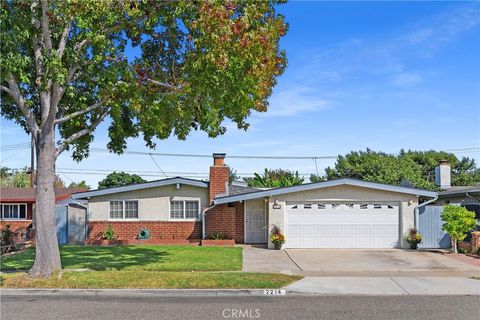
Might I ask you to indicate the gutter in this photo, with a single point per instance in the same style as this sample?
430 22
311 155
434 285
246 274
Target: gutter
204 213
417 210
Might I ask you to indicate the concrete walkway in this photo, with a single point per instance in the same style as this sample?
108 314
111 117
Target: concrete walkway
386 286
261 259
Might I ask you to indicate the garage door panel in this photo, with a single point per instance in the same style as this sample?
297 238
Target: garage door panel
342 225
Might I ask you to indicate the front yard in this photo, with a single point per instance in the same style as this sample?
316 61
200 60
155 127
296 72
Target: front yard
143 267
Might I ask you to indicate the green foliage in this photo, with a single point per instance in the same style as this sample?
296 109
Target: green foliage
5 234
275 178
457 221
119 179
109 233
198 63
413 236
416 167
216 236
10 178
232 175
81 185
317 178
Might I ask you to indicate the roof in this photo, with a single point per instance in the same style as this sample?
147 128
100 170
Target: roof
236 189
28 194
319 185
141 186
459 190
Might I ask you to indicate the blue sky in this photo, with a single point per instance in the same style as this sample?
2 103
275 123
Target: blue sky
380 75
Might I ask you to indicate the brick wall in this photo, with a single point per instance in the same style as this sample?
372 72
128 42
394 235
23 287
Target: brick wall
227 220
218 181
16 224
161 232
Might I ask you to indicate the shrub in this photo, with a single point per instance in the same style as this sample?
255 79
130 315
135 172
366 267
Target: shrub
457 222
216 236
5 235
108 234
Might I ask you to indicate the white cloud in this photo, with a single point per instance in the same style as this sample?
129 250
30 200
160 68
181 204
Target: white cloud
294 100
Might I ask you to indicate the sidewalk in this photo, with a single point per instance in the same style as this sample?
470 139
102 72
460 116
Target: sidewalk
307 286
386 286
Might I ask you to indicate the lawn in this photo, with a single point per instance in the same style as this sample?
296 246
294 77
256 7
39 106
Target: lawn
143 267
148 258
151 279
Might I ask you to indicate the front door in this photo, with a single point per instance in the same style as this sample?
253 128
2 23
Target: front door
255 221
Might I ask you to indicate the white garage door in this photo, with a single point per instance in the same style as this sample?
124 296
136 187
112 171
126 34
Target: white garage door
342 225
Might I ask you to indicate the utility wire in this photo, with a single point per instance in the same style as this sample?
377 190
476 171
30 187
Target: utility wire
158 166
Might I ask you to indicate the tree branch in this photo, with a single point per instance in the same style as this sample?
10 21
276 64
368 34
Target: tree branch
46 26
64 38
79 113
14 92
80 134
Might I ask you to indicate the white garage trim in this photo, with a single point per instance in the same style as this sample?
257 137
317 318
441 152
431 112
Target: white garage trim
342 224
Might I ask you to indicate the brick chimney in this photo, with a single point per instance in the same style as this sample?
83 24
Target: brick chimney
443 175
218 176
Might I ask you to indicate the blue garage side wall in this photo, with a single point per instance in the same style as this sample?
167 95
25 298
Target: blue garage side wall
62 227
430 227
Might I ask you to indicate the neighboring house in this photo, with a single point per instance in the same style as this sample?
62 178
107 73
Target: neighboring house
343 213
17 207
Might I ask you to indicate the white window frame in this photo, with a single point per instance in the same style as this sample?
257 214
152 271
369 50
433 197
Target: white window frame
183 199
18 205
123 210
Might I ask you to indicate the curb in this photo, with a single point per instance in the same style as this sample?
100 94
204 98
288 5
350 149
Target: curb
145 293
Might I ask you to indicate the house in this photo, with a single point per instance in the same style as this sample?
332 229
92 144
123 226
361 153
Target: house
344 213
17 208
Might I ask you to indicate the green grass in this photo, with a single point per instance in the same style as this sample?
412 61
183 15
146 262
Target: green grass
150 280
146 258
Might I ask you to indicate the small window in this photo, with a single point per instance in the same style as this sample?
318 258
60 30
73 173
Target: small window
120 209
377 206
390 207
349 205
321 206
364 206
307 206
335 205
184 209
14 211
294 207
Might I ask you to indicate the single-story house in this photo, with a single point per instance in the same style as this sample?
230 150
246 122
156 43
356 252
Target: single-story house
344 213
17 207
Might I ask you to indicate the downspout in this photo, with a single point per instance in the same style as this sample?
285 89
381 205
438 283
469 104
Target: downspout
417 210
471 197
204 213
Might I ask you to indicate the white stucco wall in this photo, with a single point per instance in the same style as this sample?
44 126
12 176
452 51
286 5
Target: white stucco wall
406 204
153 203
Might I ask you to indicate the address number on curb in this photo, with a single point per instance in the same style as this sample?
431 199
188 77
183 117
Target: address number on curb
274 292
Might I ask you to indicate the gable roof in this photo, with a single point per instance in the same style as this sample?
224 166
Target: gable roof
459 190
28 194
320 185
141 186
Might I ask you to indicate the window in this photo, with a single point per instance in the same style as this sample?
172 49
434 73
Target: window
14 211
364 206
321 206
377 206
307 206
184 209
124 209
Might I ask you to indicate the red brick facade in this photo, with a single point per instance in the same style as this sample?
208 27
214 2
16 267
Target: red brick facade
161 232
16 224
228 220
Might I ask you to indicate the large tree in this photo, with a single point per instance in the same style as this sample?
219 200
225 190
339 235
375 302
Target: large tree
416 167
151 68
119 179
274 178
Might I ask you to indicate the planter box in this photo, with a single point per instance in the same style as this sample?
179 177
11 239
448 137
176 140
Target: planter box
91 242
227 242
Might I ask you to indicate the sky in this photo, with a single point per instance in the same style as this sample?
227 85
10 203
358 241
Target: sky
379 75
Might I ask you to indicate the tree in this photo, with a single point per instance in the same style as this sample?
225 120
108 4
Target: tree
65 69
274 178
457 221
317 178
10 178
232 175
416 167
119 179
80 185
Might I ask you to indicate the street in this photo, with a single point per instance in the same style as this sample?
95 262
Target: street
241 307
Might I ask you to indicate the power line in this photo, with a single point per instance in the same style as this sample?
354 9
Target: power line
158 166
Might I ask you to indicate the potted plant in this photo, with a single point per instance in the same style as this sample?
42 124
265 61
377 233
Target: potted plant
106 238
277 237
413 237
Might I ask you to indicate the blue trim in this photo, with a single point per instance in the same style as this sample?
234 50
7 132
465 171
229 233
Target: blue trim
140 186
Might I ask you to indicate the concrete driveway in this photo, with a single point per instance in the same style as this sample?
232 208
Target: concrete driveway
355 262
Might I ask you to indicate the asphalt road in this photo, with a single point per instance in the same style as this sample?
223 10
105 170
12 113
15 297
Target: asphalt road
293 307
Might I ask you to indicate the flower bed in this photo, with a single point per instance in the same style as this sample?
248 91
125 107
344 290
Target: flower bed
223 242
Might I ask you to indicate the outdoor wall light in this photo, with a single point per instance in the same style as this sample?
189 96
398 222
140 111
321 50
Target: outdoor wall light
410 202
276 204
178 186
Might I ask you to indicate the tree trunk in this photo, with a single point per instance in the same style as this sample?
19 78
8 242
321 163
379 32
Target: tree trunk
47 253
454 245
